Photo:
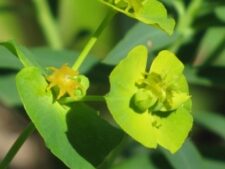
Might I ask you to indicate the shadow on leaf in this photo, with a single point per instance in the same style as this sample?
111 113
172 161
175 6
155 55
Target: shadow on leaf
92 137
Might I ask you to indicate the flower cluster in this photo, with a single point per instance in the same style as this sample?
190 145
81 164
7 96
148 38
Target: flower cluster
154 107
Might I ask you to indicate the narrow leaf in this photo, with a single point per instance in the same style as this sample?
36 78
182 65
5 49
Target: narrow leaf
22 53
8 60
212 121
187 157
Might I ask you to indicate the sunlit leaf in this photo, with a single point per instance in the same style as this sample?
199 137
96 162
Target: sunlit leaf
150 12
75 144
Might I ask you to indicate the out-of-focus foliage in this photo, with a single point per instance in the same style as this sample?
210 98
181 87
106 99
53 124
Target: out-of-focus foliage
198 40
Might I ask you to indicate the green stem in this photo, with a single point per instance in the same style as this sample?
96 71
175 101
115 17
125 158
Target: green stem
184 26
93 40
48 24
90 98
16 146
179 6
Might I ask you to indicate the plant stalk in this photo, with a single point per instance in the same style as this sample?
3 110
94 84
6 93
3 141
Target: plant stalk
90 98
185 21
48 24
17 145
93 40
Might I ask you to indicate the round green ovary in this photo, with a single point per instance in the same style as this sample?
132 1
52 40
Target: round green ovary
143 99
151 94
155 94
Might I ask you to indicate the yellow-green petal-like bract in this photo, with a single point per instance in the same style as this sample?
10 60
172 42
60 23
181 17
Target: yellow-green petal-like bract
151 12
170 124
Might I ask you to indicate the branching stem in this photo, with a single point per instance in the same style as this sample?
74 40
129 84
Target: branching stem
93 40
48 24
90 98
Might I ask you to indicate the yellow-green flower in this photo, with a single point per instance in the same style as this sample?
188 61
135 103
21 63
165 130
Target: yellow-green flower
154 107
68 81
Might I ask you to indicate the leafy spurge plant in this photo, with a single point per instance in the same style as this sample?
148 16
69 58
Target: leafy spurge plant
153 106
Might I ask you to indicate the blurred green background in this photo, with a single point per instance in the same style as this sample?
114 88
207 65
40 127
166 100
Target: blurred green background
198 40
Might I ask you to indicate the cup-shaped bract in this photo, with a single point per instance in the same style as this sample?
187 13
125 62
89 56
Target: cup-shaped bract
153 107
151 12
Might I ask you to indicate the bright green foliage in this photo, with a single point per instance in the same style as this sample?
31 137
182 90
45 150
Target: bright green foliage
154 107
151 12
75 135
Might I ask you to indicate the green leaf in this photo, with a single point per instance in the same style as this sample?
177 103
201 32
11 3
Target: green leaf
213 164
91 136
209 51
187 157
212 121
143 34
73 143
48 57
24 55
151 12
149 128
140 161
193 77
8 60
40 57
220 13
206 76
8 92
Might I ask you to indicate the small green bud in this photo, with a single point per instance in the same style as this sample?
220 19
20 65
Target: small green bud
84 85
143 99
